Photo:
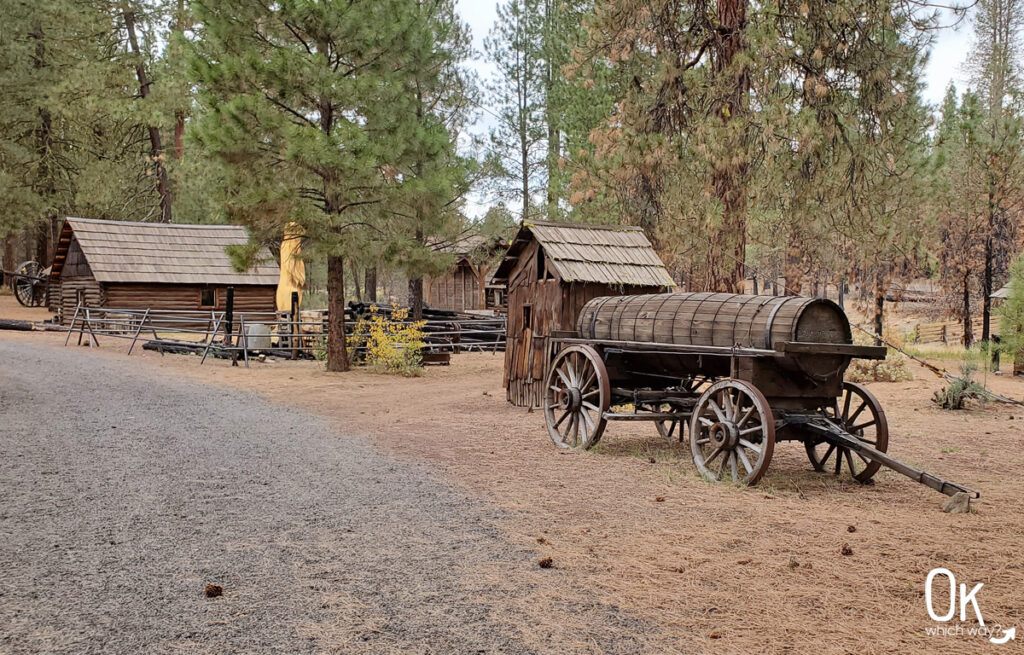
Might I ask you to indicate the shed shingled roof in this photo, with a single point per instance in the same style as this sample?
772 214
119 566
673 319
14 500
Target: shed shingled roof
123 251
606 254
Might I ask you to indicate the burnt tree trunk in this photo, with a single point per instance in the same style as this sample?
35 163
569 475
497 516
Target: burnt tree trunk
879 307
337 352
968 328
156 149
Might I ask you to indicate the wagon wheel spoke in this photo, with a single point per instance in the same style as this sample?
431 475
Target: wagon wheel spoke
749 446
588 422
743 420
743 458
717 410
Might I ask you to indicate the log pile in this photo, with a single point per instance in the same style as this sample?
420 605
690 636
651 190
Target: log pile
449 331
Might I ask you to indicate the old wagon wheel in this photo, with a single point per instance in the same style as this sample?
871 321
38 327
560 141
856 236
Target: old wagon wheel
28 288
859 413
576 397
671 429
732 433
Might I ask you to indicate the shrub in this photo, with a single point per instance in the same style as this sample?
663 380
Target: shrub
894 368
391 344
956 394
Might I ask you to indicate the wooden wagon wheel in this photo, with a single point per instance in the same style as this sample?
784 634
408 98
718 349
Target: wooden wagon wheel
577 395
732 433
858 412
671 429
28 288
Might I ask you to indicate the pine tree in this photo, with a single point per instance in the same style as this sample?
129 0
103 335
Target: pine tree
519 141
423 208
996 74
300 99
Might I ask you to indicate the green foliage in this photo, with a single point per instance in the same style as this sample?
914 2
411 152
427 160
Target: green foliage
961 390
1011 314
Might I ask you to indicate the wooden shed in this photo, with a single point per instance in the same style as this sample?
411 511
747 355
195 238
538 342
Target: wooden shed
125 265
464 287
550 271
461 289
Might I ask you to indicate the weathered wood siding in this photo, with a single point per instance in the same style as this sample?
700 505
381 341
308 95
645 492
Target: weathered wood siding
460 290
553 305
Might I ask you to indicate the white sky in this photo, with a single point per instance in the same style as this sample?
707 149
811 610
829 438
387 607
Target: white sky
945 64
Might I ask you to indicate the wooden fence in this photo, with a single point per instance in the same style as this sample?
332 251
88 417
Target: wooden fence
951 332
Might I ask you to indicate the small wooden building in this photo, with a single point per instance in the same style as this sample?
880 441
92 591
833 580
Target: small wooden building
460 290
550 271
125 265
464 287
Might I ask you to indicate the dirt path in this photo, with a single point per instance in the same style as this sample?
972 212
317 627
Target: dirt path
123 492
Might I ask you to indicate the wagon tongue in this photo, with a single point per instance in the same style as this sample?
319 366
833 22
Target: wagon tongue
836 436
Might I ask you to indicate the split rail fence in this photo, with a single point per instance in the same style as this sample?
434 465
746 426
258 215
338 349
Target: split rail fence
950 332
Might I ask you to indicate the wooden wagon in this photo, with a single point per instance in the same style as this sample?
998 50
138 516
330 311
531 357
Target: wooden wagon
740 373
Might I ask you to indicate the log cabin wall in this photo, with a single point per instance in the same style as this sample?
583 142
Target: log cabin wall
248 298
71 290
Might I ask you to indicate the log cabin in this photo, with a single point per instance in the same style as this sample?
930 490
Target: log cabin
127 265
549 272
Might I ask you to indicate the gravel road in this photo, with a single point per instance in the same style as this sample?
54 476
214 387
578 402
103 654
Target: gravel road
124 492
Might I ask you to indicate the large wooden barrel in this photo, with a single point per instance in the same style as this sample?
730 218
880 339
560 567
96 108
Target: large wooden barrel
720 319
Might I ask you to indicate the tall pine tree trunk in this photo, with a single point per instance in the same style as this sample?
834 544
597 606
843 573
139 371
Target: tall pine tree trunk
879 318
9 255
370 283
416 283
728 252
156 149
355 283
337 353
968 328
986 281
550 113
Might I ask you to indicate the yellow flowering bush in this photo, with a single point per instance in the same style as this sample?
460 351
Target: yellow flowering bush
392 344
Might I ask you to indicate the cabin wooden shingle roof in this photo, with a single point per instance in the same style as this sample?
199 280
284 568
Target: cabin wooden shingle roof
605 254
123 251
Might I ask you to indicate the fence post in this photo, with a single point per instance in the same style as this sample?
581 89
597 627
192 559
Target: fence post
229 322
243 338
294 329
